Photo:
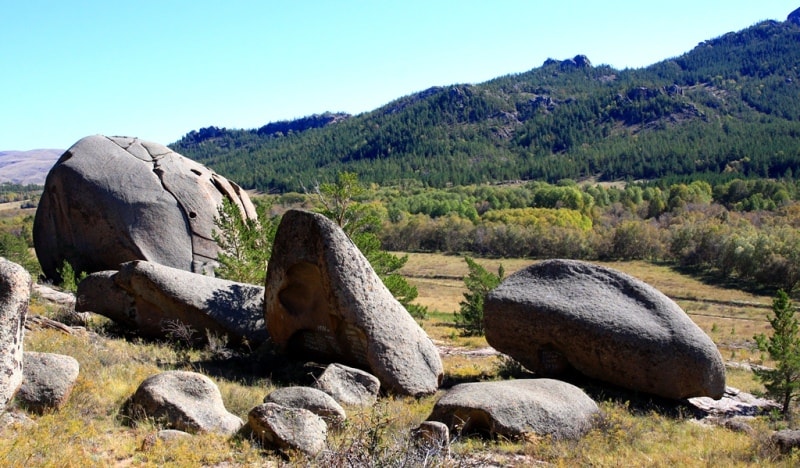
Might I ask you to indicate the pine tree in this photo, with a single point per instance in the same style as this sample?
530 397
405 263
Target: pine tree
782 382
479 283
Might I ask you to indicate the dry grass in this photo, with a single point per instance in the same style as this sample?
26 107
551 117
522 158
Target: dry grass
89 432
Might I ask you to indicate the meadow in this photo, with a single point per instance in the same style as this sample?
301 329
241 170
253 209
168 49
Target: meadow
89 430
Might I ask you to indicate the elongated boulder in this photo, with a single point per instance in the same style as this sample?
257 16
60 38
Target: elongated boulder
153 299
559 315
110 200
15 293
323 297
516 409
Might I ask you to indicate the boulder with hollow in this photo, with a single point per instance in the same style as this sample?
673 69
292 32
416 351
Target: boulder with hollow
322 297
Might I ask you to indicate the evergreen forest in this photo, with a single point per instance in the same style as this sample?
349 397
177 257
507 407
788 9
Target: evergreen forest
728 109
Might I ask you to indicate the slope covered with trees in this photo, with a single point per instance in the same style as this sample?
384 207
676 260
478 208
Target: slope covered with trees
728 108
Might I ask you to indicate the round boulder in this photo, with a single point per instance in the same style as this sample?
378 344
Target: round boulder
110 200
560 315
517 409
311 399
49 379
183 400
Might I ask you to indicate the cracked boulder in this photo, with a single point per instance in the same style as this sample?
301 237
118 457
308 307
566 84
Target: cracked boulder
110 200
323 298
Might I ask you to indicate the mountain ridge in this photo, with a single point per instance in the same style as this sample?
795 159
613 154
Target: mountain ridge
728 106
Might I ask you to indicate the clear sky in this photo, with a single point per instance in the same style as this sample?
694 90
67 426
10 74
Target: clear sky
158 69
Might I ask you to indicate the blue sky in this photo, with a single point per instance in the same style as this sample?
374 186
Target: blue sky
158 69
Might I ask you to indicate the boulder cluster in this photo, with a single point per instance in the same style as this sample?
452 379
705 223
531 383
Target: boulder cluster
139 218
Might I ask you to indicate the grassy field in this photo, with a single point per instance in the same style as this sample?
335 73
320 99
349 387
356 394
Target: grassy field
88 431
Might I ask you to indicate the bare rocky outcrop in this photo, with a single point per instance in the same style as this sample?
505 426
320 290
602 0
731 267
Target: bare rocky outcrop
283 428
152 299
311 399
110 200
323 297
15 293
348 385
517 409
560 315
49 379
186 401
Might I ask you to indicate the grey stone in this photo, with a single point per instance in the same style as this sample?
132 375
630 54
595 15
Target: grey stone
49 379
323 297
312 399
559 315
110 200
148 297
348 385
733 403
182 400
517 409
432 437
786 440
285 428
163 436
15 293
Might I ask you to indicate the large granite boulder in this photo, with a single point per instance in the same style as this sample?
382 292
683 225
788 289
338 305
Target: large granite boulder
153 299
323 297
517 409
110 200
49 379
560 315
15 292
186 401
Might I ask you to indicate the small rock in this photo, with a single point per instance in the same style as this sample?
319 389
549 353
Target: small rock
165 435
786 440
349 386
182 400
517 409
432 437
49 379
312 399
288 428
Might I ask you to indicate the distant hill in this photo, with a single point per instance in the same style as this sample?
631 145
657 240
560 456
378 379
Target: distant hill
730 106
27 167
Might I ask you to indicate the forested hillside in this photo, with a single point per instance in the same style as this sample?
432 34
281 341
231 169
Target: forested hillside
728 108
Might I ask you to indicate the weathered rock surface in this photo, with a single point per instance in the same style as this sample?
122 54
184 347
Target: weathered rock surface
110 200
49 379
786 439
15 293
186 401
311 399
285 428
323 297
733 403
146 297
559 315
348 385
517 408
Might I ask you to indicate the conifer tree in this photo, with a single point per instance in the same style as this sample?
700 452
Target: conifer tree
782 382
